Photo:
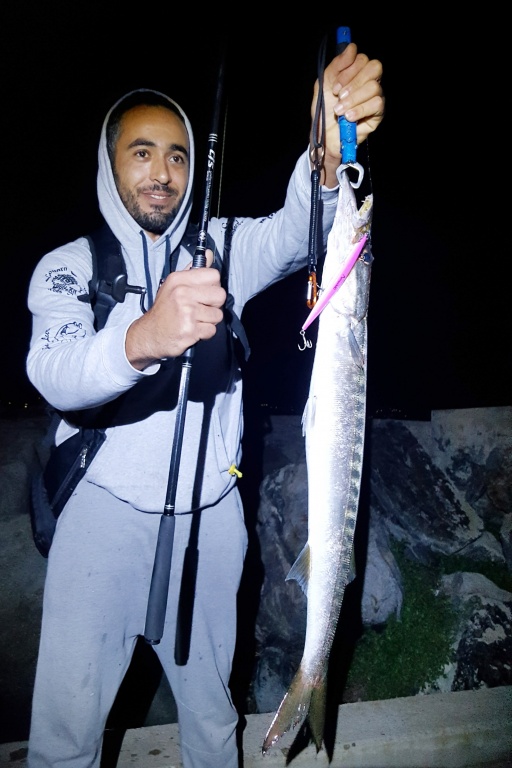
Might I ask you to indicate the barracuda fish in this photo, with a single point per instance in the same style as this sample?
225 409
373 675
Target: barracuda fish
334 426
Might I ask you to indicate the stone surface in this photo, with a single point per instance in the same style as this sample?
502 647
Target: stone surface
471 729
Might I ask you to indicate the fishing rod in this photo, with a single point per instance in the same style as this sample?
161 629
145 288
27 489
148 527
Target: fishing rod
159 587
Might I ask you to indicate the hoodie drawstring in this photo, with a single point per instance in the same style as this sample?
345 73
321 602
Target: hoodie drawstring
149 284
167 260
165 270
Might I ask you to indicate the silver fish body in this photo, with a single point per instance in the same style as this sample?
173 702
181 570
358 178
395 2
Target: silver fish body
334 428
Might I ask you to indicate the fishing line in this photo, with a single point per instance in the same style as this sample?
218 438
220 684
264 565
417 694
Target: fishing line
222 151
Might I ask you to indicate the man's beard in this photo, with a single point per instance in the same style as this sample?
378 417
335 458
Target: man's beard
157 221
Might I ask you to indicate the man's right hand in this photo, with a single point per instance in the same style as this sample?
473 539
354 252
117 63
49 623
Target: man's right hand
187 308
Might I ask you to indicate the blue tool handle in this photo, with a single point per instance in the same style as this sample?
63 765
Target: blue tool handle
348 130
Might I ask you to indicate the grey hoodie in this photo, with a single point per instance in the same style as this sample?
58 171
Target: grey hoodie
75 368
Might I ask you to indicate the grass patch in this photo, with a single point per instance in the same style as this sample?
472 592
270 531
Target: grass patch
410 652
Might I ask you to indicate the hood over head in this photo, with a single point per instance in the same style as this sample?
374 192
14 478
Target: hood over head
110 203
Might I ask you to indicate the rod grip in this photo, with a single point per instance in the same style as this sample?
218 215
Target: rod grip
157 602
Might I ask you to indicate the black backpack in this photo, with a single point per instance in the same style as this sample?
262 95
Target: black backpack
62 467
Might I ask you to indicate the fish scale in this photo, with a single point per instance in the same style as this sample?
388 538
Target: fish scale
334 428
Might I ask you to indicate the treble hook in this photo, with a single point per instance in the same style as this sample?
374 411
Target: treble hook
307 344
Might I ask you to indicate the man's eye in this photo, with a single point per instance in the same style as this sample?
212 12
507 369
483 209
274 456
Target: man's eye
176 159
141 153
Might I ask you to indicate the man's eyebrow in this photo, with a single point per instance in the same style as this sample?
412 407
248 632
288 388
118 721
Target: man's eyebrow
141 142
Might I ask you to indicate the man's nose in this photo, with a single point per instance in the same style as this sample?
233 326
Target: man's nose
160 170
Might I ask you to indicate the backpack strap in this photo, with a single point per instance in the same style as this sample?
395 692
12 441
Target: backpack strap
109 283
234 321
111 266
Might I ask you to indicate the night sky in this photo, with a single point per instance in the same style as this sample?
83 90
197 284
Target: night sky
439 328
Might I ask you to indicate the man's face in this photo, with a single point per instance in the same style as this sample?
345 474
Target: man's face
151 166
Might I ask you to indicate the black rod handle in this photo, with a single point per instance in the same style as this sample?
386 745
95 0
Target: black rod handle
159 589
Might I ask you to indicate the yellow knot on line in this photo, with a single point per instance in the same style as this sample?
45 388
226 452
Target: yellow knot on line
234 471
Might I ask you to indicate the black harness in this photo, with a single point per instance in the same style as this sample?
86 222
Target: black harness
216 360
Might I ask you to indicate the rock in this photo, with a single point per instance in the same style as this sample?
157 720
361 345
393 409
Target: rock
506 538
420 504
382 594
485 548
482 648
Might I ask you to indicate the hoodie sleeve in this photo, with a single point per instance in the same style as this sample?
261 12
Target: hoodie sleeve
71 365
268 249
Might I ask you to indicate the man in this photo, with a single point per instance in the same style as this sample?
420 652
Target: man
101 559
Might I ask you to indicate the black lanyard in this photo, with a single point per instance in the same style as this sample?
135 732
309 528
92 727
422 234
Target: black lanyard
317 158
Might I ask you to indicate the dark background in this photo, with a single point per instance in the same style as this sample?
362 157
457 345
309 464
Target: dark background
438 319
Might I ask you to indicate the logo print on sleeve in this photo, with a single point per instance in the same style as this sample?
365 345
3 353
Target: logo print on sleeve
62 281
64 334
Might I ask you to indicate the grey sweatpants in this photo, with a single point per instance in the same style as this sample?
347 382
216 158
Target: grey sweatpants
94 608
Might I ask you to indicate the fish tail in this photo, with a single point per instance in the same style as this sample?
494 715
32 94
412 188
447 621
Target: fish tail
292 710
316 715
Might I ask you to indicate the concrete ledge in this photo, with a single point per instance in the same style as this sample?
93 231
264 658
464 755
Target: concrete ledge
441 730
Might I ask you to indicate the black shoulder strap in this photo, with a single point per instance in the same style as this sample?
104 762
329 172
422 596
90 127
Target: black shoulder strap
108 283
233 320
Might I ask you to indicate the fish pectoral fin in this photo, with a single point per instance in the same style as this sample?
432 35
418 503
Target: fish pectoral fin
300 570
304 418
308 415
